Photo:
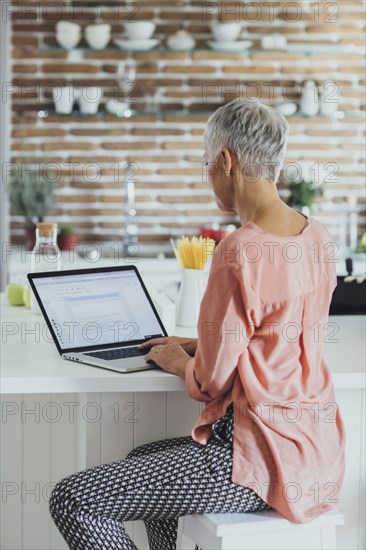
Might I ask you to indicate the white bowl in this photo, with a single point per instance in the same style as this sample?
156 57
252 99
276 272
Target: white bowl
98 36
139 30
116 107
99 28
137 45
225 31
67 27
68 40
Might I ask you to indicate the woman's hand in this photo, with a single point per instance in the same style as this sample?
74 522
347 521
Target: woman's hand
188 344
170 357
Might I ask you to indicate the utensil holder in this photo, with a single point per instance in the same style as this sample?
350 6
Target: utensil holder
191 291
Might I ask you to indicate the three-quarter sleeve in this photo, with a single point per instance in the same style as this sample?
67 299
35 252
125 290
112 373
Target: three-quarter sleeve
224 330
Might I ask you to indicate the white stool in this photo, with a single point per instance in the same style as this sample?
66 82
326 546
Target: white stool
259 531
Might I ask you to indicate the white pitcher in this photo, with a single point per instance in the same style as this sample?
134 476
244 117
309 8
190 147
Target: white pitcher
190 296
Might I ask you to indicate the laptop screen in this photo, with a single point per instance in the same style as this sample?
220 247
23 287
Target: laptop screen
94 309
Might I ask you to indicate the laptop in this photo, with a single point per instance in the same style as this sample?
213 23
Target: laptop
99 316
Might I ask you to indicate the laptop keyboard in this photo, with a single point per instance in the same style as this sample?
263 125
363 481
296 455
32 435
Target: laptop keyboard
118 353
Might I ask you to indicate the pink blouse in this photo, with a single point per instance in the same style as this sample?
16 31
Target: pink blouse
261 328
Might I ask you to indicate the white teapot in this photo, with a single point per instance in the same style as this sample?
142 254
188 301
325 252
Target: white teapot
181 40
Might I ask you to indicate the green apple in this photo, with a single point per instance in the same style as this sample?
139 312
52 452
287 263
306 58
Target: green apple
14 294
27 296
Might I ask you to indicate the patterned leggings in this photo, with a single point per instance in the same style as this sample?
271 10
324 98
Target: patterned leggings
156 483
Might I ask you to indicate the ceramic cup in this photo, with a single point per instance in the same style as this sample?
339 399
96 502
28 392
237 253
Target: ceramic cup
68 34
63 98
139 30
224 32
89 99
98 36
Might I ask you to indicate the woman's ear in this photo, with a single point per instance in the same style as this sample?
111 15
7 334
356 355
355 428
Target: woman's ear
226 161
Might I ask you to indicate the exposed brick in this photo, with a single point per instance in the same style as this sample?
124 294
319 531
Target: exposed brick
129 145
331 133
99 132
119 56
182 145
69 146
152 56
319 29
226 56
38 132
70 68
157 158
189 69
99 159
184 199
249 70
180 172
277 56
76 198
157 131
62 119
23 68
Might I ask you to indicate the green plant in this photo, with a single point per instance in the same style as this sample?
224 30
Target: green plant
31 193
303 193
67 230
361 246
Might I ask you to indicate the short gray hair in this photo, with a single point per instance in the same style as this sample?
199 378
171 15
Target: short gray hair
254 132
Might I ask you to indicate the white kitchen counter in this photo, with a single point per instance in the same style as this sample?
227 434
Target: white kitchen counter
30 362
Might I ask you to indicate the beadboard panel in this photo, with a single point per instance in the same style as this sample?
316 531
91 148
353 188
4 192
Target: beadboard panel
64 433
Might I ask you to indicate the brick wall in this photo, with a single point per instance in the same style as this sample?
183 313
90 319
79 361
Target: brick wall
172 195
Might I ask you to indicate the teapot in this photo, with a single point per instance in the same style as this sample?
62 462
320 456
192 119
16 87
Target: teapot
181 40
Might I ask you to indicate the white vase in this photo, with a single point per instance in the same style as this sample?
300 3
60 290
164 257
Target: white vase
309 103
191 291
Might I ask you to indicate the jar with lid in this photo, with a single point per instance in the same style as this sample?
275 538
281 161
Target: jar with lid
46 255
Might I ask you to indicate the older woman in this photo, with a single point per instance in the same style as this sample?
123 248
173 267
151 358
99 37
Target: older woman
271 434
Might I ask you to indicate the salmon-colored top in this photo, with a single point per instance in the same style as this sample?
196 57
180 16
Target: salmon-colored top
261 327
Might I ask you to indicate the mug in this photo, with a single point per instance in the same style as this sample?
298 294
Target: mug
63 98
89 99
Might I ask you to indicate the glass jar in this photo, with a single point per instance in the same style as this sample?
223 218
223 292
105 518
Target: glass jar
46 255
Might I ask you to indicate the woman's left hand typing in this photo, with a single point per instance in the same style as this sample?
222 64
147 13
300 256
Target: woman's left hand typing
170 357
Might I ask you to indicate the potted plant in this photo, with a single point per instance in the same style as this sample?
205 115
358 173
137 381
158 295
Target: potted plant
303 190
66 239
31 194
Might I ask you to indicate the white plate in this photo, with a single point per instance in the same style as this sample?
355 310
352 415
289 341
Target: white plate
138 45
232 46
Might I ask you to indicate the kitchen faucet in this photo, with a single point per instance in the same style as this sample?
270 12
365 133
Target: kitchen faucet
130 239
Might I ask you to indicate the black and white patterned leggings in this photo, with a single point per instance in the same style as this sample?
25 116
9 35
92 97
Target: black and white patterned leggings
157 483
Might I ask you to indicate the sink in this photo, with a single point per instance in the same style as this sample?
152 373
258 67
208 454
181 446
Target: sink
349 298
117 250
